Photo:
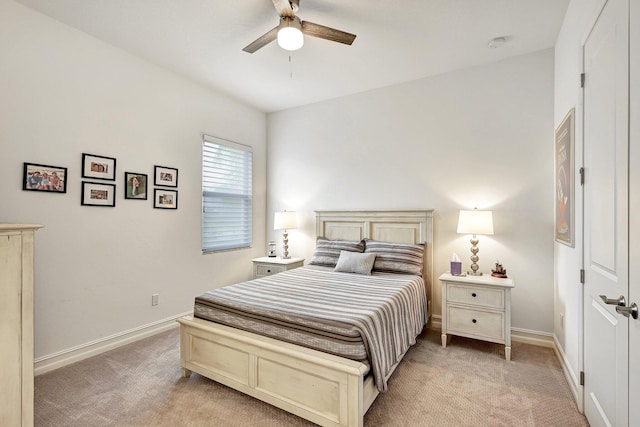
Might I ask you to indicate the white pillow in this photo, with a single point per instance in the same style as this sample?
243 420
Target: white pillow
353 262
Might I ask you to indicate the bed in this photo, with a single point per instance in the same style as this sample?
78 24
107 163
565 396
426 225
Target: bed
324 388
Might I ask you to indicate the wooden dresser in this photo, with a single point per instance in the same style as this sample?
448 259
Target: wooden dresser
16 324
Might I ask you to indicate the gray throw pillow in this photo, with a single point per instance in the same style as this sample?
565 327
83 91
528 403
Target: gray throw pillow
353 262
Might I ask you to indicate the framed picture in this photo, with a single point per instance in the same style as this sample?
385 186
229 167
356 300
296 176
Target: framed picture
165 199
98 167
565 192
37 177
97 194
165 177
136 186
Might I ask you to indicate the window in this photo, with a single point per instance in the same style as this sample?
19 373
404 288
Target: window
226 195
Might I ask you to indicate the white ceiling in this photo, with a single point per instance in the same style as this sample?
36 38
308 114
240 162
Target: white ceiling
396 41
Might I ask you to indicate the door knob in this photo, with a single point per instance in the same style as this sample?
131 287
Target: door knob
621 302
631 310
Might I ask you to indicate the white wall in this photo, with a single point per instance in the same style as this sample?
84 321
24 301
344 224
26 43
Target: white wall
480 137
579 18
64 93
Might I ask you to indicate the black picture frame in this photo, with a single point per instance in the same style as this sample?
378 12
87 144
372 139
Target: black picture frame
98 167
165 199
98 194
136 186
48 178
164 176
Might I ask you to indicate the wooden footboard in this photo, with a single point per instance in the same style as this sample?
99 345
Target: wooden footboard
322 388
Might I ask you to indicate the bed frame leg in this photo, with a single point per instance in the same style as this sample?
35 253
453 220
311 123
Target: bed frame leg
186 373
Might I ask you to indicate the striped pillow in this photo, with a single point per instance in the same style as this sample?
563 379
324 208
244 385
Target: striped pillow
396 257
328 251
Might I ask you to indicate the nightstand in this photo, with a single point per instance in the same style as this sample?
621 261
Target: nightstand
266 266
477 307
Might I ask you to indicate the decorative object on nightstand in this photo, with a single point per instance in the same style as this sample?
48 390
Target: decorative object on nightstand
285 221
475 222
499 271
266 266
456 265
271 253
477 307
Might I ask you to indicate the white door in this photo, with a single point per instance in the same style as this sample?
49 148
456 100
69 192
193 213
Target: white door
606 215
634 210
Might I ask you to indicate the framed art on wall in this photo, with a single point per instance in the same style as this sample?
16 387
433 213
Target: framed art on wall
165 177
165 199
136 186
98 194
98 167
565 192
36 177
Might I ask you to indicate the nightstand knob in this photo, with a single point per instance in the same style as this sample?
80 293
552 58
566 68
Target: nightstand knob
474 321
473 294
268 271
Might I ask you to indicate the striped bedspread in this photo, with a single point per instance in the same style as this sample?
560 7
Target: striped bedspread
374 318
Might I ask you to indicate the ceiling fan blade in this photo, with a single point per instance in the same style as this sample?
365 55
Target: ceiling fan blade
262 41
317 30
284 8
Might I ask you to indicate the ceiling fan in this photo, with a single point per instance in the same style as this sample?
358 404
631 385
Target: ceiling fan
291 29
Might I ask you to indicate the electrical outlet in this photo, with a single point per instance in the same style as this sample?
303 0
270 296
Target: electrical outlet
154 299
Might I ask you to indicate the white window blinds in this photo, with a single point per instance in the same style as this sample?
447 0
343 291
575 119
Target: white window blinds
226 195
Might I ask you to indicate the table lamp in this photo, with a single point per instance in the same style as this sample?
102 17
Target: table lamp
285 221
475 222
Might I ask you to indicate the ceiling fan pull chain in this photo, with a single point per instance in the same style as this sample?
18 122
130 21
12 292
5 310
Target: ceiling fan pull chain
290 67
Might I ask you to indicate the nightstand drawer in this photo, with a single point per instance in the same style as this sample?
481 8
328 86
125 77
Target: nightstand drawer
476 295
266 270
475 323
266 266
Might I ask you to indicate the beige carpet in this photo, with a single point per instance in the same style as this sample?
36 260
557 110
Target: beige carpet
467 384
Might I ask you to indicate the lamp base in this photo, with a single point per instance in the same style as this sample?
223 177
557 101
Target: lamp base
474 257
285 239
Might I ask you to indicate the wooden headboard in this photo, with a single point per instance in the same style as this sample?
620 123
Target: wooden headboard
402 226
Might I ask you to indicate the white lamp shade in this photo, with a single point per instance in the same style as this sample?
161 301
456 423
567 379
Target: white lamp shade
285 220
290 34
475 222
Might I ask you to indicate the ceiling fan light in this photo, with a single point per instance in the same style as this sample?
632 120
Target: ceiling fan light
497 42
290 34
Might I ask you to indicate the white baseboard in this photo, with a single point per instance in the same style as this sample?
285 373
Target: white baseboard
93 348
435 322
574 382
527 336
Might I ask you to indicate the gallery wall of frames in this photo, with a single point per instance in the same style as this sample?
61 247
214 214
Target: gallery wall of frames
98 182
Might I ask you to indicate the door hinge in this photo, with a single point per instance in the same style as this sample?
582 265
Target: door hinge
582 172
582 276
582 77
581 377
